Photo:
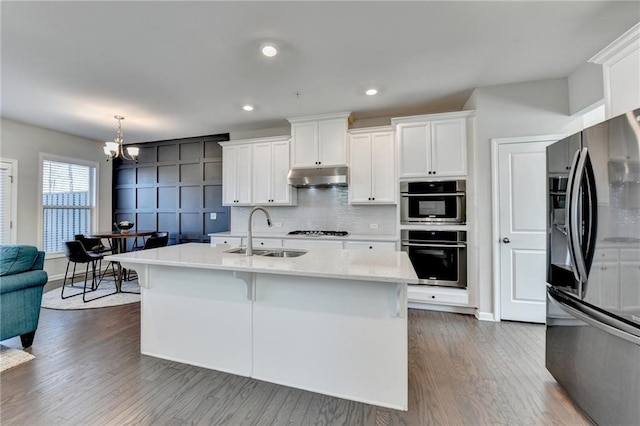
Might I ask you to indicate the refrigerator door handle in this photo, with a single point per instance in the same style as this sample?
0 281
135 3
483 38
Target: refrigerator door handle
568 216
575 221
592 318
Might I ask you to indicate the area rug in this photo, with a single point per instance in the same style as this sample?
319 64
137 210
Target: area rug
10 357
52 300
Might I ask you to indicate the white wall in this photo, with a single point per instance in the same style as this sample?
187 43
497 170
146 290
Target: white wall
24 143
521 109
586 88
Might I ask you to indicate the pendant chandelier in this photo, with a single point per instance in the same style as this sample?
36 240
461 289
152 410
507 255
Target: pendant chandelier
114 149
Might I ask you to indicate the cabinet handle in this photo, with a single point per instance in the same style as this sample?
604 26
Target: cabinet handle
374 198
370 247
434 172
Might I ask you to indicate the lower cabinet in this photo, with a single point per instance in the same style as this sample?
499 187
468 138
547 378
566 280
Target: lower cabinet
368 245
232 241
426 294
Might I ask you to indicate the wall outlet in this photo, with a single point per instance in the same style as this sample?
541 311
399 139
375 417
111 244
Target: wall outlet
373 226
213 216
277 224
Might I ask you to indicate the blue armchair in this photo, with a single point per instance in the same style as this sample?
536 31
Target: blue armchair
21 283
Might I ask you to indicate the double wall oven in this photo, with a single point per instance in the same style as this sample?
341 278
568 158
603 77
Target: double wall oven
438 255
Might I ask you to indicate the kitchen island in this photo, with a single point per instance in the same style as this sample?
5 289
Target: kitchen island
331 321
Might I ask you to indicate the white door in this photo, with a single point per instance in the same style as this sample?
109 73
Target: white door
522 224
6 203
360 169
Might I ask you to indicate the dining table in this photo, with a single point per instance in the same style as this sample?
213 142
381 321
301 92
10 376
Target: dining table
118 243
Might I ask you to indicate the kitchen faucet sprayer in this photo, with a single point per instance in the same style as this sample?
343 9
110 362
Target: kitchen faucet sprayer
249 251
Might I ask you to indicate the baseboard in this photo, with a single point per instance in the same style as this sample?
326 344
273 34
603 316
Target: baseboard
486 316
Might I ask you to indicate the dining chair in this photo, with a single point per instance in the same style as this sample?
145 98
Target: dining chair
156 240
76 253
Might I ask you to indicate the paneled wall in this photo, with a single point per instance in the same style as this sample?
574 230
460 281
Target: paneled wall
174 187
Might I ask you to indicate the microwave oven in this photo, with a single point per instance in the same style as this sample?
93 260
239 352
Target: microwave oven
440 202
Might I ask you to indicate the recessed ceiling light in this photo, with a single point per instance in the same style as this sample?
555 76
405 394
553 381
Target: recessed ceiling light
371 92
247 108
269 50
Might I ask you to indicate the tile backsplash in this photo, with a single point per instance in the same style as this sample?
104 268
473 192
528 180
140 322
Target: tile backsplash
320 209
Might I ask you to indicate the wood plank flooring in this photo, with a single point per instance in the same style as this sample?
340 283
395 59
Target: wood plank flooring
88 371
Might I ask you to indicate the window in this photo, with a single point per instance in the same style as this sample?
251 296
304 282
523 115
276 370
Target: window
68 201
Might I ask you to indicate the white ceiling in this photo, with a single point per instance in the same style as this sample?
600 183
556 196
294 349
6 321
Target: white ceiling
180 69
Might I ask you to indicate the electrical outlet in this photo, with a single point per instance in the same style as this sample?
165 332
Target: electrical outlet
278 224
373 226
213 216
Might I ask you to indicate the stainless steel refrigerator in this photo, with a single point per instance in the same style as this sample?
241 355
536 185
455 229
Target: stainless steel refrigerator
593 269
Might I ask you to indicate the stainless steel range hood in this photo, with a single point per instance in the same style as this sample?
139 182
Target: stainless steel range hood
312 177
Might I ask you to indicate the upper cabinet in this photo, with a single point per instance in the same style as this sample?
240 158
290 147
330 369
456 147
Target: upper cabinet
271 166
319 141
254 171
372 177
236 174
620 70
433 145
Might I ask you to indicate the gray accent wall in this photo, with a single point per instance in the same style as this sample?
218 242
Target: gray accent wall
174 187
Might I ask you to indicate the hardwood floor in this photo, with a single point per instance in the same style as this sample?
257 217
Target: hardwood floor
88 371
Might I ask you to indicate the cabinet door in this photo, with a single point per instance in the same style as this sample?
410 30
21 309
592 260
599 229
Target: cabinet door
262 171
281 192
383 177
360 169
369 245
449 148
243 180
229 173
415 140
332 142
304 152
231 241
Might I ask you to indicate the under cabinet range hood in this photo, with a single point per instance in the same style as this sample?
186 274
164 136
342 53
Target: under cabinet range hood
314 177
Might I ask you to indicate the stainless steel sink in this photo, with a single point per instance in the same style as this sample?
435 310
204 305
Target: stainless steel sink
284 253
268 252
243 250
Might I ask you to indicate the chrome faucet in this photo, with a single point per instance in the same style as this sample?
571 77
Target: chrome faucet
249 251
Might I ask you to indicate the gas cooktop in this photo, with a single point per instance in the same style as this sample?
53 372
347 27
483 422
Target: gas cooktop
320 233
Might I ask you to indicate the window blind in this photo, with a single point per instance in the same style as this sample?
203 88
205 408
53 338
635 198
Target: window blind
68 202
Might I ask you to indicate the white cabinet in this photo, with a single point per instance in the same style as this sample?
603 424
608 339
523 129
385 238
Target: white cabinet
620 62
370 245
319 140
236 175
267 243
432 145
232 241
270 169
254 171
561 155
372 167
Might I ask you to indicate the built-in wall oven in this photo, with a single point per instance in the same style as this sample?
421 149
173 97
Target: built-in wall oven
442 202
438 257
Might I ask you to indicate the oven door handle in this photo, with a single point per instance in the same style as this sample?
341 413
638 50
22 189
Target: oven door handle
446 194
405 244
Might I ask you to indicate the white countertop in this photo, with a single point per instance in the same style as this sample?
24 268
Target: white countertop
364 265
350 237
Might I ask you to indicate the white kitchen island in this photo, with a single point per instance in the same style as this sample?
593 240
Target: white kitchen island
331 321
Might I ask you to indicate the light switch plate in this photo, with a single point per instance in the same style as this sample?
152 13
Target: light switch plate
213 216
373 226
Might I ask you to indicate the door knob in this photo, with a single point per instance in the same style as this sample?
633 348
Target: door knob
506 240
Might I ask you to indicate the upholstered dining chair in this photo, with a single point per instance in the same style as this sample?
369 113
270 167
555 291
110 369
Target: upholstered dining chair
76 253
